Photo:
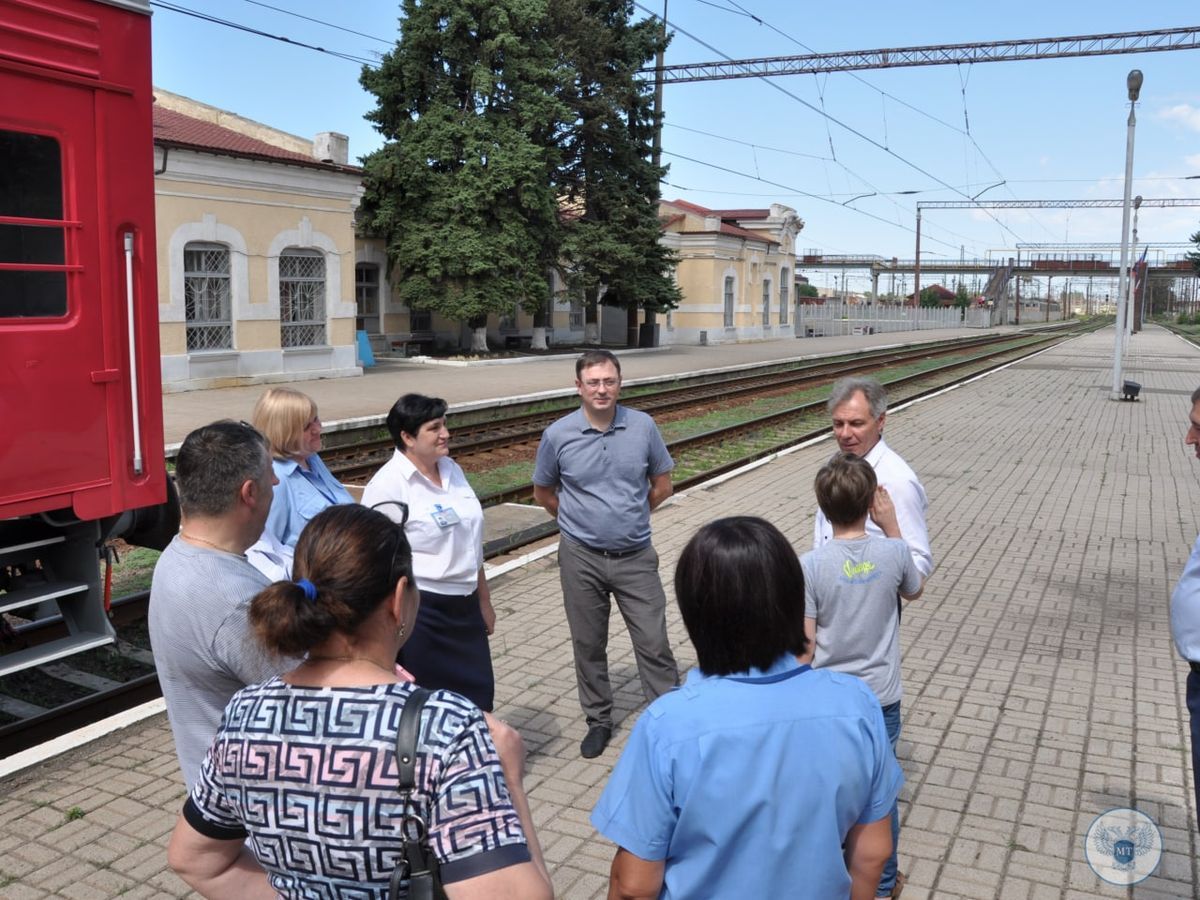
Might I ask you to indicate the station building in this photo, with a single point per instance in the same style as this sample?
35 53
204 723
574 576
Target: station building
264 276
736 271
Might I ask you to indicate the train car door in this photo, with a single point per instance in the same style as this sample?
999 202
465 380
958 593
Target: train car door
52 328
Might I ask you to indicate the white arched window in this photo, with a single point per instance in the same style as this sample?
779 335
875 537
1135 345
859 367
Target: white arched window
207 297
302 298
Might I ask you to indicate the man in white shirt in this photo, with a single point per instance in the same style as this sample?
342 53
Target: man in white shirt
859 407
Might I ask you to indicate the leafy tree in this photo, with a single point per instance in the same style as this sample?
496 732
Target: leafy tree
930 297
807 290
462 191
609 185
1194 256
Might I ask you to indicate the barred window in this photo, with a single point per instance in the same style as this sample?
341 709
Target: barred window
420 320
575 314
728 301
366 296
206 297
766 303
783 296
33 233
302 298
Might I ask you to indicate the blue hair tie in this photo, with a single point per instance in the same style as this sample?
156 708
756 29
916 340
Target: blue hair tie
310 589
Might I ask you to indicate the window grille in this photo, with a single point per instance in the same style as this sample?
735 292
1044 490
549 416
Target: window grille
33 232
766 303
783 296
575 316
366 297
728 301
420 320
207 298
302 298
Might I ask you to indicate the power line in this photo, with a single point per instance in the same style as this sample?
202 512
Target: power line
288 12
802 193
183 10
837 121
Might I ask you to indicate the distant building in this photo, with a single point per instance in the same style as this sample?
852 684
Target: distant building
256 245
735 271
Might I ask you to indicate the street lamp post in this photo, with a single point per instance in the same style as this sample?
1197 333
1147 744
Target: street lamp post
1133 83
1130 304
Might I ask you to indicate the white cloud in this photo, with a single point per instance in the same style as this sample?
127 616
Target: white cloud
1192 162
1182 113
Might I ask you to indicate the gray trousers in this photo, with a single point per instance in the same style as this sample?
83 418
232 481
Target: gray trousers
588 579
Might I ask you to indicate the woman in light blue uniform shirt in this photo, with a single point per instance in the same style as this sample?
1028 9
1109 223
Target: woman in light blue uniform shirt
290 423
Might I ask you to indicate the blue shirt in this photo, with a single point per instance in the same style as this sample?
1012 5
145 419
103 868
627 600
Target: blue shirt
747 785
301 495
1185 608
603 478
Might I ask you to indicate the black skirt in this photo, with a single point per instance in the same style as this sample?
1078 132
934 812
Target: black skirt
449 649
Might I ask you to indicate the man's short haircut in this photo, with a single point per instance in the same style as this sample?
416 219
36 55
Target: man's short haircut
591 358
214 462
845 487
845 388
740 590
1196 396
409 413
282 414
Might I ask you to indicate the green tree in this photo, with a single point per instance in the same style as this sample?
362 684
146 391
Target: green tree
1194 256
930 297
609 185
807 290
462 191
962 299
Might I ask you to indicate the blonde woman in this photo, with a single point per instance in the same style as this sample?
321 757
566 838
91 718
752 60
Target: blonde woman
290 422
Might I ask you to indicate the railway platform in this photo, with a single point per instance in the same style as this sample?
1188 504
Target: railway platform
1041 685
493 382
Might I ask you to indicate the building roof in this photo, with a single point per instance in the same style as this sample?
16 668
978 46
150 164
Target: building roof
728 219
176 129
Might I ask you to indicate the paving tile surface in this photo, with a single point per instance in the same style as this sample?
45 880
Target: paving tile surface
1041 684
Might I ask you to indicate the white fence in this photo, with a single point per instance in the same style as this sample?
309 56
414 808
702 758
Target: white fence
835 319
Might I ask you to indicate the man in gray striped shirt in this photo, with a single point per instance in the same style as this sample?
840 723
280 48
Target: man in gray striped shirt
204 647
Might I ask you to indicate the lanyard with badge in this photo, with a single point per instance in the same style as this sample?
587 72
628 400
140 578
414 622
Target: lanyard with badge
444 516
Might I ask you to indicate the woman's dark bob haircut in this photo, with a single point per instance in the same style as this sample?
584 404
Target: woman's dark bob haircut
741 592
409 413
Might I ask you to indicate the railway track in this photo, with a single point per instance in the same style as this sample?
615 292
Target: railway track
356 461
699 457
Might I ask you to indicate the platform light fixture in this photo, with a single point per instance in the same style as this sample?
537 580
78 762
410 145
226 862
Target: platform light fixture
1133 85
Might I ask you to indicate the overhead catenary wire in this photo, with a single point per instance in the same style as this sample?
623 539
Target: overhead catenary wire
237 26
836 121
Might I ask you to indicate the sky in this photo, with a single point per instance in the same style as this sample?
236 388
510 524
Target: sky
1049 129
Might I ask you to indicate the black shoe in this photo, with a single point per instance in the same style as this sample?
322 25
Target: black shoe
595 741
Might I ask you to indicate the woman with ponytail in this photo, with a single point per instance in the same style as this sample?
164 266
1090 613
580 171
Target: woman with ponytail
304 765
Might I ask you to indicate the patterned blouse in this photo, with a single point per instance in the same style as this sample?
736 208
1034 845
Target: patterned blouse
309 774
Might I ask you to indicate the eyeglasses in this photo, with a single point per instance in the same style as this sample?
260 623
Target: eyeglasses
400 541
595 384
403 510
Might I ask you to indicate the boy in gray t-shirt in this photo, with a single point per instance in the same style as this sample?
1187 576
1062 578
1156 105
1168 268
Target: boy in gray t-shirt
852 587
851 584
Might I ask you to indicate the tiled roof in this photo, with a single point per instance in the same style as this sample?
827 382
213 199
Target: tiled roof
727 226
743 213
175 129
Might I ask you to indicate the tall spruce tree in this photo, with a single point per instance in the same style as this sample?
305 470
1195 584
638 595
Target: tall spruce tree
609 185
462 191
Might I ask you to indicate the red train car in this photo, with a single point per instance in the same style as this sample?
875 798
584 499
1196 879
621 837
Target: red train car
80 383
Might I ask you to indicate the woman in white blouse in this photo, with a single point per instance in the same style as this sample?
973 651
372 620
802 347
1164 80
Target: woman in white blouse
449 646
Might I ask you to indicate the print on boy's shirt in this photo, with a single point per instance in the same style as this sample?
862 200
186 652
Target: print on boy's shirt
860 573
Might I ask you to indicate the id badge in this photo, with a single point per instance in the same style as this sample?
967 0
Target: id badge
445 516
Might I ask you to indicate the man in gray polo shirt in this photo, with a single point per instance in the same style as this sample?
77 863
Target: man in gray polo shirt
204 647
600 471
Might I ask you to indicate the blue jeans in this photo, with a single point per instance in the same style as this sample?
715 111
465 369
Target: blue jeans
1193 705
891 721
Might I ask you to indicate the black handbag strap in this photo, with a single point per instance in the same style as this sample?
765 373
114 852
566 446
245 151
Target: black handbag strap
418 864
407 736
